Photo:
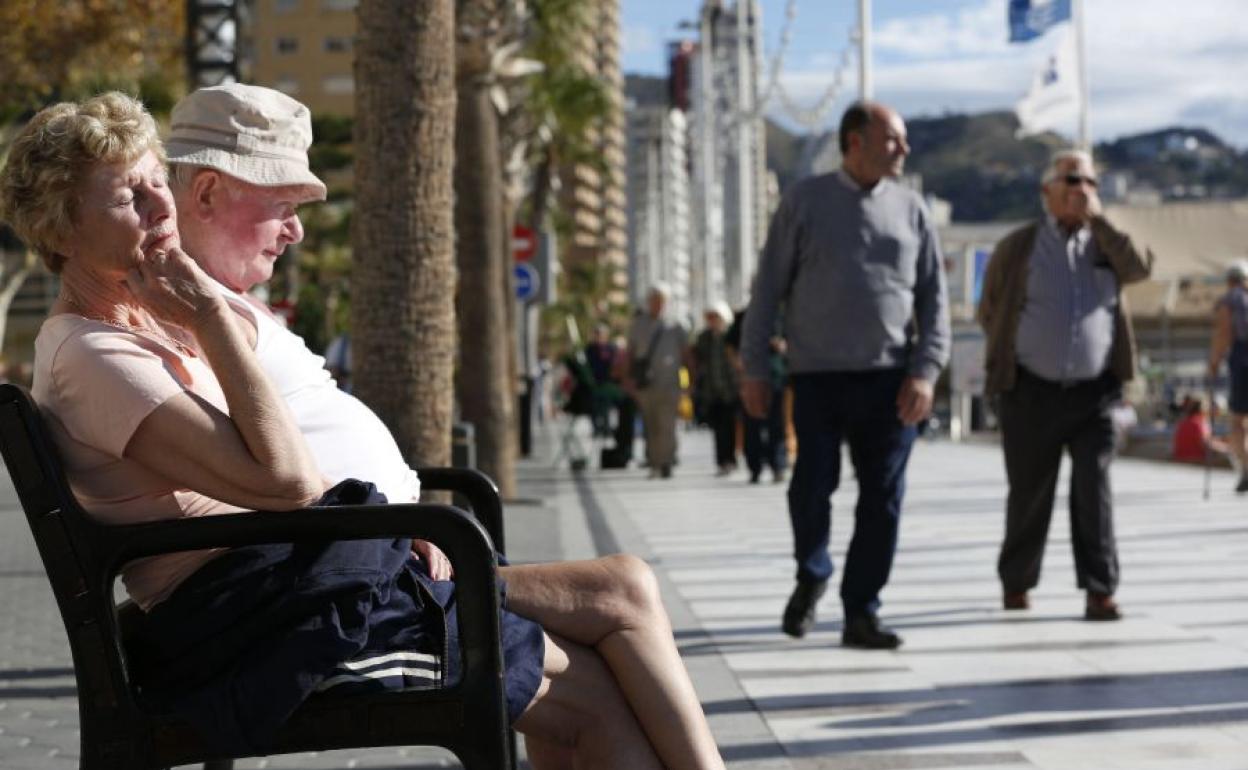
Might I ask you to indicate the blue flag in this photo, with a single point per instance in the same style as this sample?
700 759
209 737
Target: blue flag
1030 18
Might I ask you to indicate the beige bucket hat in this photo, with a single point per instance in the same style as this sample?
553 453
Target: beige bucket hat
253 133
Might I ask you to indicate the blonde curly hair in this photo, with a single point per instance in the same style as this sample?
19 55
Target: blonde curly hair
51 156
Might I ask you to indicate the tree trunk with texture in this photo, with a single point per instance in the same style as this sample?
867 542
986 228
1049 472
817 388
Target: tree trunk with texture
483 380
403 280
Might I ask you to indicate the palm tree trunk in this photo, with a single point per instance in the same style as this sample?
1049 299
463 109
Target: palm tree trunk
483 382
403 281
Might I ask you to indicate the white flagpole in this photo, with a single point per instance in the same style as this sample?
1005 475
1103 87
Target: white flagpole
1085 138
864 49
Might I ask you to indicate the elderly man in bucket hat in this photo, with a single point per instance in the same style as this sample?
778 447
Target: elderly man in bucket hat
240 171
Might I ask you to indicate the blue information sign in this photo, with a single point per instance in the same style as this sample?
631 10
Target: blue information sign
527 281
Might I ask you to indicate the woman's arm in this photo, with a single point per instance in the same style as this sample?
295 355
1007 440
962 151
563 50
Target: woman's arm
254 456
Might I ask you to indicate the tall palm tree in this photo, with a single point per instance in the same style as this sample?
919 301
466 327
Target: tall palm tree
403 283
485 381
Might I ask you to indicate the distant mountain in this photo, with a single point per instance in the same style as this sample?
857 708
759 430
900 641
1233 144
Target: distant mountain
976 163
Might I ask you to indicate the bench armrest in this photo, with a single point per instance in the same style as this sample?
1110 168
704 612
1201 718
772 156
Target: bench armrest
480 490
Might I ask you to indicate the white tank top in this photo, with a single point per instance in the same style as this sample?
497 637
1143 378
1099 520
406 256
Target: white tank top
347 439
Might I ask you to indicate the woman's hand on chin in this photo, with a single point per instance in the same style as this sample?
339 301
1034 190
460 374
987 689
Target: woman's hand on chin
174 289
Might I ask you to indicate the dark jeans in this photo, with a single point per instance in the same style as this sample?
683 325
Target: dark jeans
860 408
764 438
721 416
1039 420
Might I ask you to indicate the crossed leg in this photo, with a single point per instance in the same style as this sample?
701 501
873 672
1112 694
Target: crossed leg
614 691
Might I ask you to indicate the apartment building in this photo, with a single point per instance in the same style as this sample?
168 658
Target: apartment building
593 197
304 48
659 214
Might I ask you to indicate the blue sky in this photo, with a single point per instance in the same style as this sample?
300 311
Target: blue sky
1151 62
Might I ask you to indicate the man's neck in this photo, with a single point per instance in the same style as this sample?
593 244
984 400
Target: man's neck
1068 228
861 178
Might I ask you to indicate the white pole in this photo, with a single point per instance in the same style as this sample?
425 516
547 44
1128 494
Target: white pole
1085 137
864 49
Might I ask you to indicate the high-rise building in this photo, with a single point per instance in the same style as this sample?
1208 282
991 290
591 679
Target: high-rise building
729 160
658 211
304 48
592 197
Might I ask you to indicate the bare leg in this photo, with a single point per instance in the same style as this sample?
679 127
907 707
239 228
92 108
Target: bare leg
579 719
612 604
544 755
1238 445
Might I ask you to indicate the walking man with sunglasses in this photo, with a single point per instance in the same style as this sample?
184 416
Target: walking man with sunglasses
1059 348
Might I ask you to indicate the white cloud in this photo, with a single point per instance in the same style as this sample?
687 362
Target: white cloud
1151 63
976 31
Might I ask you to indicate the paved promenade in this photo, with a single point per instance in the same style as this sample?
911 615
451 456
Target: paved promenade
973 687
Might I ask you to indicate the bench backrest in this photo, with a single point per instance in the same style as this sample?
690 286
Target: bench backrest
64 537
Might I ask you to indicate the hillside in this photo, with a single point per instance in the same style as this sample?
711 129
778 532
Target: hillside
976 163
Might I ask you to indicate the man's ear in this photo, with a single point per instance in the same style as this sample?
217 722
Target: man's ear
205 194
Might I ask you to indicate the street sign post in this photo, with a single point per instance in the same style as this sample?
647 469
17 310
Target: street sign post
528 282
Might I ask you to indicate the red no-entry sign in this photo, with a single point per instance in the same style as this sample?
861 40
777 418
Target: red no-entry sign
523 243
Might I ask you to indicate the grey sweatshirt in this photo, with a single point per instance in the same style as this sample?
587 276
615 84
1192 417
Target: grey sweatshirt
861 279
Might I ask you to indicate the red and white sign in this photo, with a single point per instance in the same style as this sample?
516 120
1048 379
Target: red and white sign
523 243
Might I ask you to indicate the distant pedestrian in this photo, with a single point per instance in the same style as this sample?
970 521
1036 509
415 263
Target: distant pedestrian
1059 348
600 353
1230 342
854 259
1193 440
654 356
715 385
763 438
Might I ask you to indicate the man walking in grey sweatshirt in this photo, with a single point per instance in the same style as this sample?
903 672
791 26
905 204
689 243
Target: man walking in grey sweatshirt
853 259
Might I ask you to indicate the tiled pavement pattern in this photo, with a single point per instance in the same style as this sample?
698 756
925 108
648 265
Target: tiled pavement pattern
972 688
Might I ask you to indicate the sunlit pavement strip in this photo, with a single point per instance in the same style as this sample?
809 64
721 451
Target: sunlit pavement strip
974 686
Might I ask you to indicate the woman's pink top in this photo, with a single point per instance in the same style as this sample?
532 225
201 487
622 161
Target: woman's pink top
95 384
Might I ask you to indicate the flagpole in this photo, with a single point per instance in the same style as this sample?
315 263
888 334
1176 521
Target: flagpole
864 49
1085 138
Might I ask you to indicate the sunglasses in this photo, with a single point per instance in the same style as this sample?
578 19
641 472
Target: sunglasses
1074 180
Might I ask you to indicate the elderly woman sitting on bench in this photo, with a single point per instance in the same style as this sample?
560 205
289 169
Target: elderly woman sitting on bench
160 410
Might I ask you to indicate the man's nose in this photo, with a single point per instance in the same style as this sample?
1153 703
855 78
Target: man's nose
293 230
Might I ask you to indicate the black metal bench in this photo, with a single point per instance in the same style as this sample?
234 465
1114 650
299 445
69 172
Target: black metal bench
82 558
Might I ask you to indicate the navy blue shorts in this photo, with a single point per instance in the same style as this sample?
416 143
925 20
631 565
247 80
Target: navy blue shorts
248 637
524 647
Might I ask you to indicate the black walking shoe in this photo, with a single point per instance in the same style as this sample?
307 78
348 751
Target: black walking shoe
1101 607
799 613
867 633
